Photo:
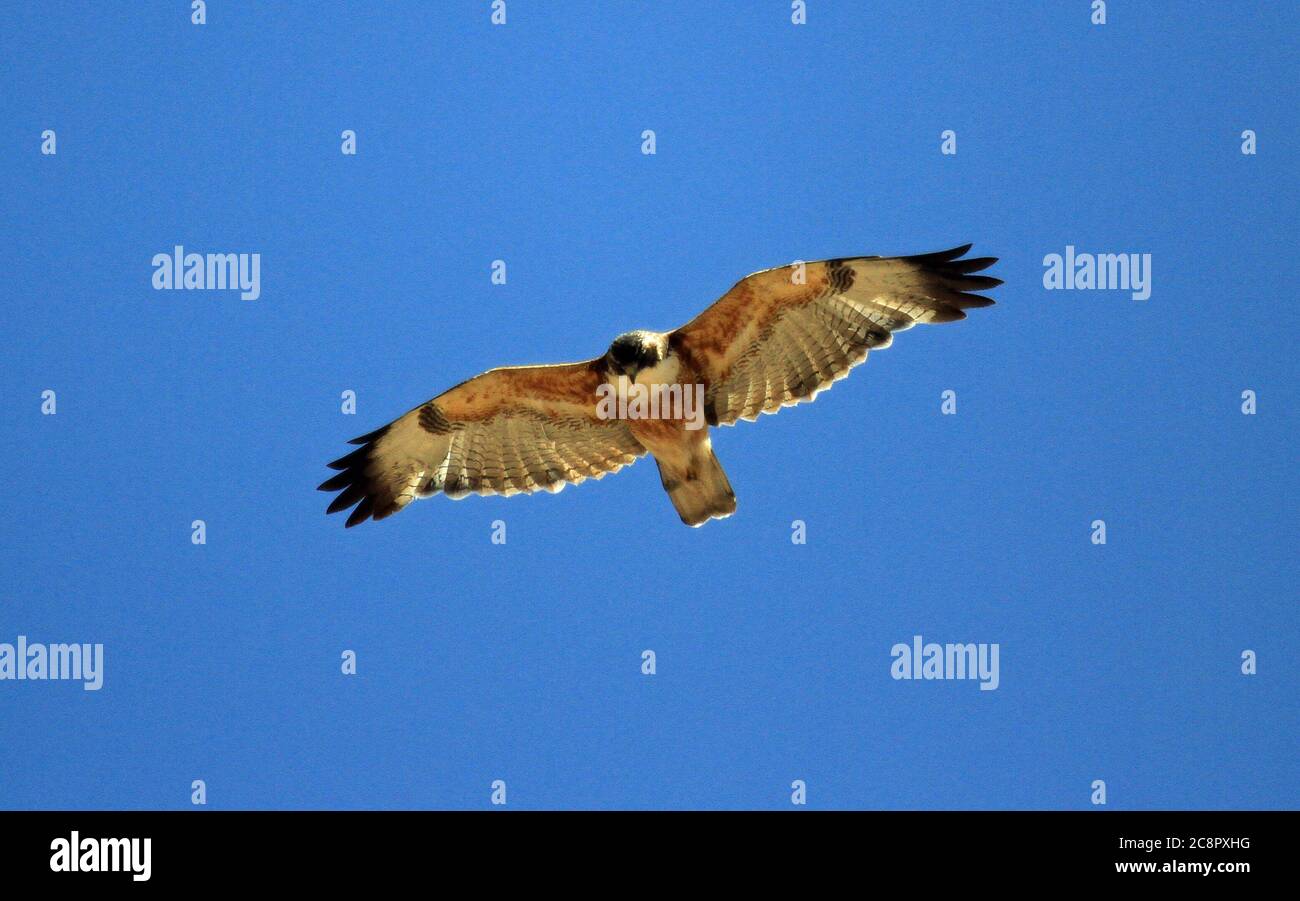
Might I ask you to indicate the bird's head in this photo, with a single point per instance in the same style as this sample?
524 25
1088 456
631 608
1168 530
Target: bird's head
635 351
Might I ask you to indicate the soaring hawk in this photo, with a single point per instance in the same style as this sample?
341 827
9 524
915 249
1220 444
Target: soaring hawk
776 338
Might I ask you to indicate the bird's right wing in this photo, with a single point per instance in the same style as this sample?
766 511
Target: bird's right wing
509 430
781 335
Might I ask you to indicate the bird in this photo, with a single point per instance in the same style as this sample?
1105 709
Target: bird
777 338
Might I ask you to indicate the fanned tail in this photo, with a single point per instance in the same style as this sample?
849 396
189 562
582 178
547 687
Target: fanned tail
700 491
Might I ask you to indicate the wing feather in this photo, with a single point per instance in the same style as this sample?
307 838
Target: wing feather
507 431
780 336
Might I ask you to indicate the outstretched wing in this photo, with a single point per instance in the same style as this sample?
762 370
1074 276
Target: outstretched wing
781 335
508 430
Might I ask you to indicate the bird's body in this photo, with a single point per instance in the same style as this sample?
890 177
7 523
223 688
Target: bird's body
688 469
776 338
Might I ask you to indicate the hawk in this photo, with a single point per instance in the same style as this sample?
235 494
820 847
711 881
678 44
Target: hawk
776 338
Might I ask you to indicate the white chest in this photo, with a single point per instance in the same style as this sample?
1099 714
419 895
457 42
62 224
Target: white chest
664 372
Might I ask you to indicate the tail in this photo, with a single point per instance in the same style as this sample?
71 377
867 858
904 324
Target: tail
700 490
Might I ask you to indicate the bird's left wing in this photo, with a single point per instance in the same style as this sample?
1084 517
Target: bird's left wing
509 430
781 335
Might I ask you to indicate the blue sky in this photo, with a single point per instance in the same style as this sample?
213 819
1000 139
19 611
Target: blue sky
521 662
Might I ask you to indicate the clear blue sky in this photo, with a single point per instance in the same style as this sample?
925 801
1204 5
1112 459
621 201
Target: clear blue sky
522 662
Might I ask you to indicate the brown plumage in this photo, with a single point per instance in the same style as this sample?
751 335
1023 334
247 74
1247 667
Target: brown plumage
776 338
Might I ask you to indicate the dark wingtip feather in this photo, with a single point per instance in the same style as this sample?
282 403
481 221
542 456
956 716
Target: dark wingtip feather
336 483
972 264
353 493
940 256
353 482
955 279
347 461
946 313
362 512
369 437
